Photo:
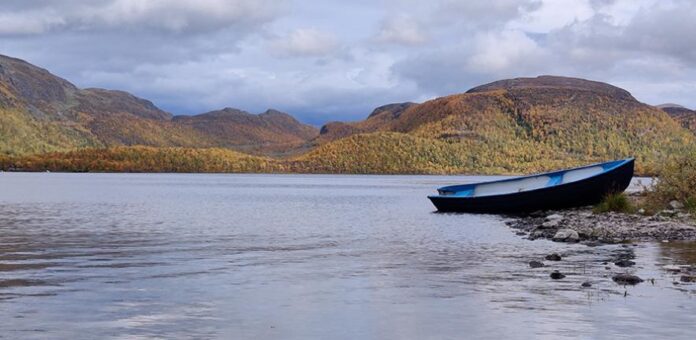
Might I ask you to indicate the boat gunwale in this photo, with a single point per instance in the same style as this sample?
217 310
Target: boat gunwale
619 163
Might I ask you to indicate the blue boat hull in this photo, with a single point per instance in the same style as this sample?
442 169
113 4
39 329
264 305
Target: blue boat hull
579 193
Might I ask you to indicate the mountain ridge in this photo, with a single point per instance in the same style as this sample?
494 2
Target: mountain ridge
33 99
507 126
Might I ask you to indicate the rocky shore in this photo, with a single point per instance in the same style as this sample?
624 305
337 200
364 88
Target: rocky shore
583 225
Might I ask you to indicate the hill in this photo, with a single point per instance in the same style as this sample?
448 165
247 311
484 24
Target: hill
685 117
40 112
517 125
241 130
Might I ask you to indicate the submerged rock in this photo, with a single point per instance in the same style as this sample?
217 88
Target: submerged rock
556 275
627 279
672 268
535 264
592 243
624 263
687 278
586 284
566 235
553 257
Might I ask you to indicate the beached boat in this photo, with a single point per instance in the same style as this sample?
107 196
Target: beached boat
553 190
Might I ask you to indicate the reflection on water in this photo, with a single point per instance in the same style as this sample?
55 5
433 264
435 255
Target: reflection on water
273 256
679 252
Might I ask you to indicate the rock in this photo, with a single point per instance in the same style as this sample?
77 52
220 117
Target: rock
553 257
586 284
535 264
676 205
566 235
554 217
641 211
556 275
624 263
520 233
550 224
687 278
667 213
672 268
626 279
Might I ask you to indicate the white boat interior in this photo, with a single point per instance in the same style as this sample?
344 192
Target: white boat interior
530 183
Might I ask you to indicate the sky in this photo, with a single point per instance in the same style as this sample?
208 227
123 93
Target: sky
337 60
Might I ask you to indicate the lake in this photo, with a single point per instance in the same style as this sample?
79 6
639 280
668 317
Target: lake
305 256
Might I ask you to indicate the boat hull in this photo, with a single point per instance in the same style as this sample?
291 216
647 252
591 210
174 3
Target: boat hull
580 193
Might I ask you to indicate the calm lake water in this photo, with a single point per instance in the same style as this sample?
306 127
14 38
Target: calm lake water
297 257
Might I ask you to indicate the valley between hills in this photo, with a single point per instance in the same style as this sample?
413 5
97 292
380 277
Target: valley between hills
510 126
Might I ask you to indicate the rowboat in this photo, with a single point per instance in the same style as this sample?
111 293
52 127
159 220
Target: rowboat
553 190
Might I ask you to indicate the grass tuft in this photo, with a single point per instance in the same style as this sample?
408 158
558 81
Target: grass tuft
616 202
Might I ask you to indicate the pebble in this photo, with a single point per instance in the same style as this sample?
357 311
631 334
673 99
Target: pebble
550 224
624 263
556 275
553 257
627 279
566 235
535 264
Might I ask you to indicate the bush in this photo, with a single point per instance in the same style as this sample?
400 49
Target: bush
617 202
676 182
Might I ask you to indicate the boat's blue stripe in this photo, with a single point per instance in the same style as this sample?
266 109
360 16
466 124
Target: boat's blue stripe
555 180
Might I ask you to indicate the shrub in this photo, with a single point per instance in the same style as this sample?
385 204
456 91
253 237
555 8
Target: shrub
676 181
617 202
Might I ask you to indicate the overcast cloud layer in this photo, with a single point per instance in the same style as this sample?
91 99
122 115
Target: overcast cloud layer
337 60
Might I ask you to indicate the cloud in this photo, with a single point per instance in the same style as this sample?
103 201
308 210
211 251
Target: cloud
402 30
334 59
304 42
497 51
174 16
483 14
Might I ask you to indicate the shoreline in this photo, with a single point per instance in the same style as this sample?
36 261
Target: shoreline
582 225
